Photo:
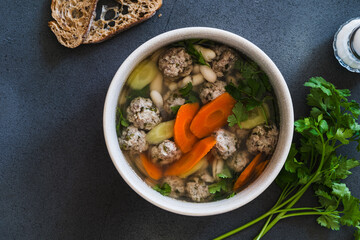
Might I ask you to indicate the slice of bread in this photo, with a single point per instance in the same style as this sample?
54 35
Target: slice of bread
126 15
72 20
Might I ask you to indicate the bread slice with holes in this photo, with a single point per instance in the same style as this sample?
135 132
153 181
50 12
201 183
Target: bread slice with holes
127 14
72 20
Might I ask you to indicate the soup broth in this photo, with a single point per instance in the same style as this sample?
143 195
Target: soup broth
197 120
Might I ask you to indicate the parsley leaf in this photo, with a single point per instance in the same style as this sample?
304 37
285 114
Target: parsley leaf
164 189
225 173
239 115
329 221
190 49
189 95
175 109
120 121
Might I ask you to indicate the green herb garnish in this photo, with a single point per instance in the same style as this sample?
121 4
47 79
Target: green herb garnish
331 124
239 115
175 109
250 93
120 121
189 95
221 189
164 189
190 49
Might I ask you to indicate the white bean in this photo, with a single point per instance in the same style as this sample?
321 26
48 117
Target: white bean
184 82
207 53
157 99
172 86
197 79
208 73
157 83
196 69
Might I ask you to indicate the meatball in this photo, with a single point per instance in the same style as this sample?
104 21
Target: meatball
262 139
197 189
239 161
133 139
175 63
177 186
165 153
225 143
143 113
172 99
209 91
224 61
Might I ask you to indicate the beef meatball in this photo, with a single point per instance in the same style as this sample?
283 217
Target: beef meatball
224 61
175 63
165 153
209 91
133 139
239 161
262 138
172 99
143 113
177 186
225 143
197 189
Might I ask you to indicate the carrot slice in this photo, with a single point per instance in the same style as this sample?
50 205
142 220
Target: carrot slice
212 115
183 137
153 170
260 167
247 173
190 159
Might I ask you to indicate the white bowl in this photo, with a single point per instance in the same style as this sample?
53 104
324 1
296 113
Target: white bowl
285 110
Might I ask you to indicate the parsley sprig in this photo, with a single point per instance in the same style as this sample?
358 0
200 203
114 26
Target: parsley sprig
315 163
250 93
190 49
222 188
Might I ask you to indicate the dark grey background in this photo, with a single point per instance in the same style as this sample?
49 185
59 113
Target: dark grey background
56 178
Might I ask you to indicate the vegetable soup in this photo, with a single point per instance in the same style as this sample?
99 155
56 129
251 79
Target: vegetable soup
197 120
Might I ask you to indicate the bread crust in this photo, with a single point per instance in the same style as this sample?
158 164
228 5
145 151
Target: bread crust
137 12
72 20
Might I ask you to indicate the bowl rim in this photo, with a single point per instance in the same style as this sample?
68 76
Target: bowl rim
285 112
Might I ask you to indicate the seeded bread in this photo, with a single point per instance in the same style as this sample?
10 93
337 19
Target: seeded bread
72 20
126 15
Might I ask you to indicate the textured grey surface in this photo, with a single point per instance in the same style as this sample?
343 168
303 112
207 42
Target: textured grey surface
56 178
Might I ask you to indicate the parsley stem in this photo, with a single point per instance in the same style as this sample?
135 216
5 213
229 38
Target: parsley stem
308 213
263 229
